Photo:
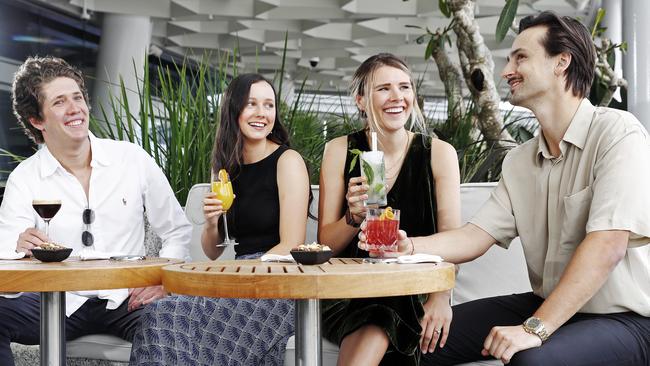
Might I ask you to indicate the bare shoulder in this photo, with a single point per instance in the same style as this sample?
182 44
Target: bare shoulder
290 159
440 146
442 149
336 145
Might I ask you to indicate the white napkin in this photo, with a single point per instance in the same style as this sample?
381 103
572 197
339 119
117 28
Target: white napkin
277 258
89 255
419 258
11 254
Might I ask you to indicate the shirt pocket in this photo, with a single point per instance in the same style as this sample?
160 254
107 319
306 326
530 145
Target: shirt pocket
576 215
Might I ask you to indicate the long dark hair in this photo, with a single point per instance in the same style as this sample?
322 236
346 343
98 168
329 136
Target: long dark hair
227 152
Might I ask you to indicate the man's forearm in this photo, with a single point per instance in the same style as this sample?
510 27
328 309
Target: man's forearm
591 265
456 246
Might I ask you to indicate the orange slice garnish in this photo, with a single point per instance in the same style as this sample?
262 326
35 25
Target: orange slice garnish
388 214
223 176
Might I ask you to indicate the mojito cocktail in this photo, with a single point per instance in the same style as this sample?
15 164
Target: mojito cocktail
373 168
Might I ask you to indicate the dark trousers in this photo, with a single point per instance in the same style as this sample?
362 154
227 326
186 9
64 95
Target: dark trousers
19 322
621 339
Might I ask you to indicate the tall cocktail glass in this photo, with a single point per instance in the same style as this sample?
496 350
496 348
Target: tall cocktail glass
225 194
372 167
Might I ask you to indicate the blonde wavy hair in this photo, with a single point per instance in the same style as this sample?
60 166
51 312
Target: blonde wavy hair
363 81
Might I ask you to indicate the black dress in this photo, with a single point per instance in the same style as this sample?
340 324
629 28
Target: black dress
254 218
413 193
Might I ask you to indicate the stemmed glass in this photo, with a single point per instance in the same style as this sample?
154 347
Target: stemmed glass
224 193
46 209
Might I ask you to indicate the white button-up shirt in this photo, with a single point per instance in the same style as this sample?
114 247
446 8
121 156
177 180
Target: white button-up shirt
124 183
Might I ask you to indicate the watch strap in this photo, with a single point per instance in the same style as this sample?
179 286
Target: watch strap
349 219
539 331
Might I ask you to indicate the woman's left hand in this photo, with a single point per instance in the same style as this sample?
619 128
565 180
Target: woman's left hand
436 321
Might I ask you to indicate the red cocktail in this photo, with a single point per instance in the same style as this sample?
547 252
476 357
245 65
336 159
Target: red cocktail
382 226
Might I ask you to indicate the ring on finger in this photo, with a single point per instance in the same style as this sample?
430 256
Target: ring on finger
436 331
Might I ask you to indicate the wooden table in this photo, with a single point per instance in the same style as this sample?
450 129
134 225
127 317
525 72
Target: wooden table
338 278
52 280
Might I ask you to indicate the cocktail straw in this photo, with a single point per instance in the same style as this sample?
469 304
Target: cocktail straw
373 140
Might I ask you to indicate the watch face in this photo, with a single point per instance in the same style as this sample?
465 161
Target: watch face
532 323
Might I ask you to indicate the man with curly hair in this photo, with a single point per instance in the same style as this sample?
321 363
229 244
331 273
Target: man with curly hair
104 186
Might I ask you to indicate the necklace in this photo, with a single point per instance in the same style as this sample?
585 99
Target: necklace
393 171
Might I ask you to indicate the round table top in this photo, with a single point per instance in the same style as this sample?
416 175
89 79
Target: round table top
337 278
75 275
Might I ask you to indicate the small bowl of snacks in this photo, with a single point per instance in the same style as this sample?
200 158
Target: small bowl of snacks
50 252
310 254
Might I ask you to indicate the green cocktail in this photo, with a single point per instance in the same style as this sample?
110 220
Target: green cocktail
373 168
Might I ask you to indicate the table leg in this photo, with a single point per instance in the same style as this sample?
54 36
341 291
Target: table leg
52 328
308 337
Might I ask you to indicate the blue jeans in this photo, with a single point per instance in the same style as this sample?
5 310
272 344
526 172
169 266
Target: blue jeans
620 339
20 322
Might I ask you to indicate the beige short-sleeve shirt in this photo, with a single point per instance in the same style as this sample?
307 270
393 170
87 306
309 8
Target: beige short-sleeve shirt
600 181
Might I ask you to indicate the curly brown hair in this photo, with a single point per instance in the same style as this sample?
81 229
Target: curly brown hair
27 85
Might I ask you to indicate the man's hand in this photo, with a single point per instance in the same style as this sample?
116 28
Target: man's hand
503 342
144 295
436 321
29 239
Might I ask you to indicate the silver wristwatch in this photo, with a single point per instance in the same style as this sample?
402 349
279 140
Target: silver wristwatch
535 326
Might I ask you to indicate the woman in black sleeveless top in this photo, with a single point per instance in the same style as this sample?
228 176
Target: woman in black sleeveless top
423 182
269 214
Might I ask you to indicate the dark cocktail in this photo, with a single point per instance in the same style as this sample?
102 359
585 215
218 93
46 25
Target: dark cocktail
46 209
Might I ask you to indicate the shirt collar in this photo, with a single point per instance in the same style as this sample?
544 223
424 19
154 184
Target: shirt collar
49 164
577 132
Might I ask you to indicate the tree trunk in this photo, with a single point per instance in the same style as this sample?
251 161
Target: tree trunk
450 74
477 66
606 73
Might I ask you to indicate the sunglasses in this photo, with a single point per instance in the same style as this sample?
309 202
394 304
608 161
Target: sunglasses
87 238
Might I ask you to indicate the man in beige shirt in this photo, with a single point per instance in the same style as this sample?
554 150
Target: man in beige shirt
577 195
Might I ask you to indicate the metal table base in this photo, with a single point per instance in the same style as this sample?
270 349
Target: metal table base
52 329
309 345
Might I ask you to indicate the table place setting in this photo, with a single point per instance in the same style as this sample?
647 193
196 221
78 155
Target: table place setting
10 254
277 258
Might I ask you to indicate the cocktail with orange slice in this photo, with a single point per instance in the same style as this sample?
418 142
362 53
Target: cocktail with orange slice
223 189
382 226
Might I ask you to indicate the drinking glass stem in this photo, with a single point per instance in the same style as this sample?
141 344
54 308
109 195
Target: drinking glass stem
47 228
225 227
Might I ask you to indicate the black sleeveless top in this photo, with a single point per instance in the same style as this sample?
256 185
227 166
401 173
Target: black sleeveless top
413 192
254 218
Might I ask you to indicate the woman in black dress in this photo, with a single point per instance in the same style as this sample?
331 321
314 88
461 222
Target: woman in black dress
269 215
422 178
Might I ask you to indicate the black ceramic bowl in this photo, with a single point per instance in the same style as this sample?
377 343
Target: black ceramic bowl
313 257
45 255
